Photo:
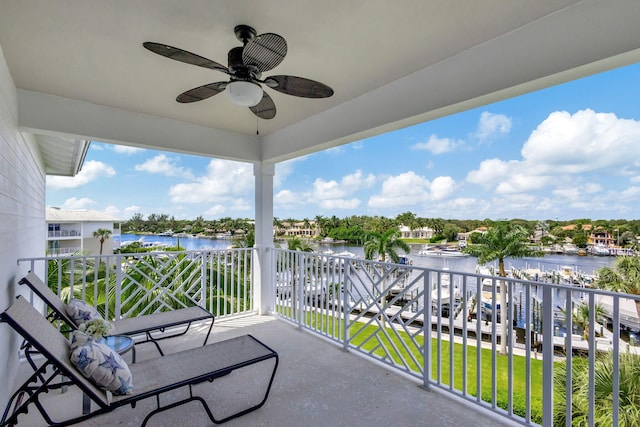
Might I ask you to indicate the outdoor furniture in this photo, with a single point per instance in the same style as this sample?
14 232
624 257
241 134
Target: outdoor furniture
151 378
152 326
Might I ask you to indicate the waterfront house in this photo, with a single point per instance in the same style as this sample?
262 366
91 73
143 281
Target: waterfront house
71 231
415 233
71 72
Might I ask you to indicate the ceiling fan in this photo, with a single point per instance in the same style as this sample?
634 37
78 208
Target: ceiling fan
246 63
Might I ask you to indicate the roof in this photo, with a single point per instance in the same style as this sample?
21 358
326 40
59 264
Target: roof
62 156
81 72
81 215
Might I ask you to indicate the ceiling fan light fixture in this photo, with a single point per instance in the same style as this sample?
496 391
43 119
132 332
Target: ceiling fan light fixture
244 93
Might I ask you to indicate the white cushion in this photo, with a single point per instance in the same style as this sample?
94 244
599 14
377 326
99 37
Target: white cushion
100 364
81 312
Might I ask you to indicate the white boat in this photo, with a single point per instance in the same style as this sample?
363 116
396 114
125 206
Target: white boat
443 252
445 290
600 250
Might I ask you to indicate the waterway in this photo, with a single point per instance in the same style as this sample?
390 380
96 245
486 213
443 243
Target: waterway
583 264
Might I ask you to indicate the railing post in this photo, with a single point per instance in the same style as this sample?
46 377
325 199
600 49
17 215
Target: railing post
547 356
204 257
299 280
118 307
426 331
345 308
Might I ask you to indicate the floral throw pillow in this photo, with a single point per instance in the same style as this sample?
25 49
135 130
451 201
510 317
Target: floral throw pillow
100 364
81 312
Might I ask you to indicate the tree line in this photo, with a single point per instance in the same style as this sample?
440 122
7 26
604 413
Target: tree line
355 228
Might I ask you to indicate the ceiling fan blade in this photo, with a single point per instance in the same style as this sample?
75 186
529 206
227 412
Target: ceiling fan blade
184 56
201 92
265 51
265 109
299 86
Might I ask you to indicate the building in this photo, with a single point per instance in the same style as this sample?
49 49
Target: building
415 233
71 231
90 82
300 228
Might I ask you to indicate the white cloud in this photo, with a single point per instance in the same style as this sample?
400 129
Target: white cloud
240 205
287 198
332 194
582 142
215 211
327 189
163 165
340 204
123 149
519 183
438 145
130 211
91 171
491 171
357 181
491 125
409 188
562 148
123 214
442 187
75 203
225 181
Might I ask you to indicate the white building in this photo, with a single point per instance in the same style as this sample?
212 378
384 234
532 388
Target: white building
71 231
415 233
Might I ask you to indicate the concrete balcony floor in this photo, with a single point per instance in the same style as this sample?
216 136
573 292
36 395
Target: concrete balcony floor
317 384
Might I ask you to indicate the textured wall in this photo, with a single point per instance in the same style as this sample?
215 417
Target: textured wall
22 217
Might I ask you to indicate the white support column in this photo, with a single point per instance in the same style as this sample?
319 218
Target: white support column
264 287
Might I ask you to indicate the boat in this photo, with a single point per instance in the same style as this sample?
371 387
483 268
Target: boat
600 250
445 290
441 251
168 233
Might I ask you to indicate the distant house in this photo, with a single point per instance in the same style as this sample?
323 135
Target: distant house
300 229
71 231
415 233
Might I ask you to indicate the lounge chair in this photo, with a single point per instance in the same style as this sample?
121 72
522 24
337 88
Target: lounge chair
152 326
151 378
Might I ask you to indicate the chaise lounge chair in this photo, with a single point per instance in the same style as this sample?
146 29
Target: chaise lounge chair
151 378
151 325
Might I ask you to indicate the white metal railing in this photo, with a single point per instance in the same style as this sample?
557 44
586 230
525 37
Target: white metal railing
65 233
383 311
129 285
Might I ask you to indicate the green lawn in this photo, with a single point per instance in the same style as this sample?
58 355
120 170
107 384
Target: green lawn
365 337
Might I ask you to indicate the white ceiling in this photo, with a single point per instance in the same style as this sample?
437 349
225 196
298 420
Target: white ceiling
82 73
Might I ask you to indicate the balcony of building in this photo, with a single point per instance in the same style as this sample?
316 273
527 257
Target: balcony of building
350 334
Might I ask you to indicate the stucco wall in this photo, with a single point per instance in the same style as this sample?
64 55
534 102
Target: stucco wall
22 217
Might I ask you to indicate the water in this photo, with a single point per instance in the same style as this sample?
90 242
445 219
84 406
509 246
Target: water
584 264
188 243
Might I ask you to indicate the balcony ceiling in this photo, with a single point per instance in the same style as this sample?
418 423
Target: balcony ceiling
82 73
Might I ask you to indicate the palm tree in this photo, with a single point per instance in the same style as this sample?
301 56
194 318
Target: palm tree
102 234
297 244
581 317
502 241
384 244
623 277
629 403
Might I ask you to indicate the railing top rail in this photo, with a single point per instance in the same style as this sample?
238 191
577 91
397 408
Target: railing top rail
131 254
480 277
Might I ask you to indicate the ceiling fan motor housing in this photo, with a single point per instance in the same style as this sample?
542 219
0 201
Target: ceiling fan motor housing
238 69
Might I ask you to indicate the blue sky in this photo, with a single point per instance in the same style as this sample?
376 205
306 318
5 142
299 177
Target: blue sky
566 152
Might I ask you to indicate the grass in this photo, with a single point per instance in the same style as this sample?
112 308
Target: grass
403 351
